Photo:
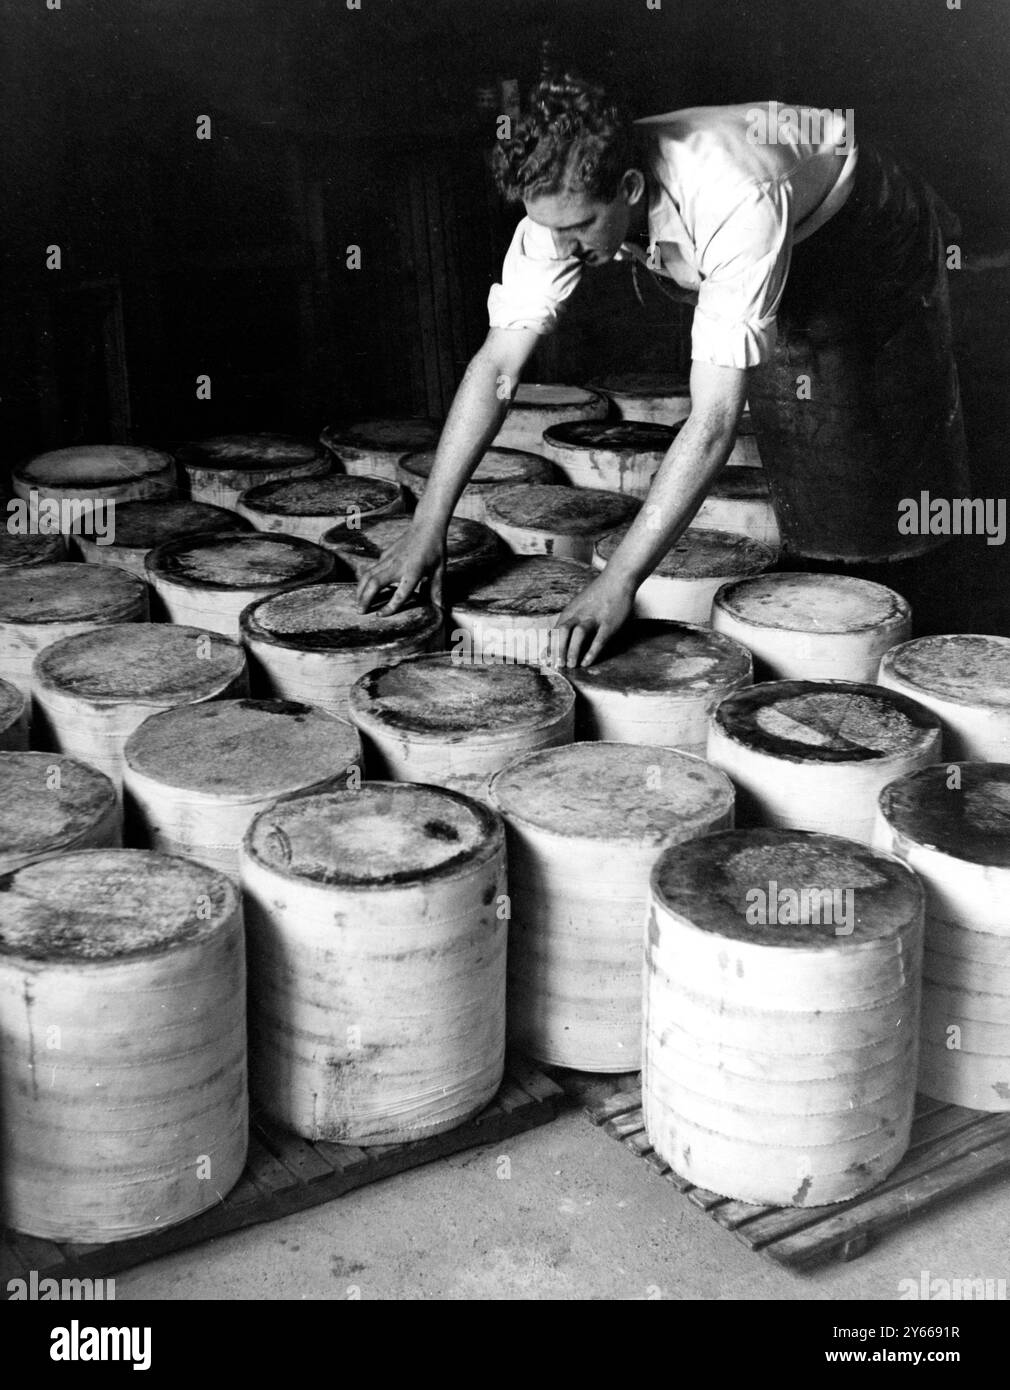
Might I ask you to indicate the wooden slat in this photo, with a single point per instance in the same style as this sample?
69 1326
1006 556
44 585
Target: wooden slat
511 1096
299 1158
618 1104
947 1120
265 1170
701 1197
533 1082
925 1105
11 1265
35 1253
639 1144
657 1163
732 1214
622 1125
344 1158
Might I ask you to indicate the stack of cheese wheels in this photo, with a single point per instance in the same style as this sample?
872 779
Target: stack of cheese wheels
951 824
471 549
585 825
781 1015
51 804
688 577
740 500
647 398
812 626
91 691
40 604
132 966
377 961
511 616
13 717
657 683
449 721
965 680
220 469
815 755
206 581
619 458
537 407
19 549
312 644
745 450
308 507
538 519
141 526
375 447
498 468
195 776
82 486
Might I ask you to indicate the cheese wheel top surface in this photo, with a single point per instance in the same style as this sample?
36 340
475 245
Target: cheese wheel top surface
12 703
570 511
812 602
332 494
246 451
963 668
735 484
325 616
533 586
625 437
17 550
65 593
613 792
496 466
252 560
383 835
826 721
537 395
111 904
970 821
711 882
242 747
469 544
157 662
95 465
143 525
47 801
439 696
644 384
389 436
650 656
702 554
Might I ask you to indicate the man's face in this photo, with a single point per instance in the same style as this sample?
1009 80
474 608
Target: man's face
583 227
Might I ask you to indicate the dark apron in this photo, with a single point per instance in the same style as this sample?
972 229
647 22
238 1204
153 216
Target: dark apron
865 316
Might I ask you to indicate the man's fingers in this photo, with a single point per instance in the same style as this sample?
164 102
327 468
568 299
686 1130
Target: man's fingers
401 593
438 585
575 645
368 586
601 639
557 642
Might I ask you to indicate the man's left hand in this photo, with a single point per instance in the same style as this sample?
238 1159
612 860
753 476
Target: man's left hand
593 617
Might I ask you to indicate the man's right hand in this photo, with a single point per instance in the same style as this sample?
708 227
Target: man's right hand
416 556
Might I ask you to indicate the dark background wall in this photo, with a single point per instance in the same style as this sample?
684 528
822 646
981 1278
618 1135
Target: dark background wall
334 127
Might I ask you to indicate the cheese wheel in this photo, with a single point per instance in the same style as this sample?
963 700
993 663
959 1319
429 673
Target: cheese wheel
88 481
584 827
206 581
622 457
195 776
965 680
649 399
377 961
18 549
740 500
815 755
511 616
801 941
141 526
131 966
686 580
39 604
219 469
13 718
497 468
951 824
375 447
455 723
312 644
91 691
540 519
657 683
51 804
472 549
308 507
538 406
812 626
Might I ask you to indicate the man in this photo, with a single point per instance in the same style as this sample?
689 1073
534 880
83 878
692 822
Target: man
819 279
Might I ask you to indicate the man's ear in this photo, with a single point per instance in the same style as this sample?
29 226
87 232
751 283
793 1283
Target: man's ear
633 186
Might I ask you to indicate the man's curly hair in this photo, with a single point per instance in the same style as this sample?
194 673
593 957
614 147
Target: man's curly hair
574 134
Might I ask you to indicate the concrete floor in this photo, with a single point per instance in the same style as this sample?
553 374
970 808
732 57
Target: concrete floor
578 1218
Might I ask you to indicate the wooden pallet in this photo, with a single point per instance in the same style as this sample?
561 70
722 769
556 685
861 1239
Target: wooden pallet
951 1149
285 1174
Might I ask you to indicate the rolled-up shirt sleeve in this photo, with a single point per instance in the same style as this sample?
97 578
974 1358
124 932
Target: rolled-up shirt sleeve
535 281
743 262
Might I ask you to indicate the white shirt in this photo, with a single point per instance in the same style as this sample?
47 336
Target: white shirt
731 190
